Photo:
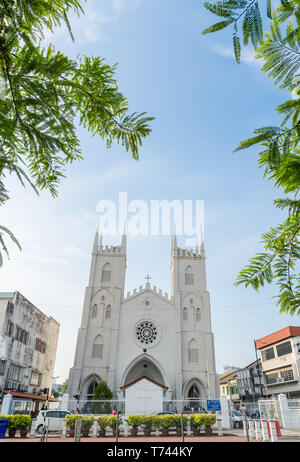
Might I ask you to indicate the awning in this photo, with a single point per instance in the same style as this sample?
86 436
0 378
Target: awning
18 394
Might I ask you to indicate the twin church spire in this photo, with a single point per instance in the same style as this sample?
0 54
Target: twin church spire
98 243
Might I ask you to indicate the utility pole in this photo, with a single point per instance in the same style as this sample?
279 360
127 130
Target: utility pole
258 371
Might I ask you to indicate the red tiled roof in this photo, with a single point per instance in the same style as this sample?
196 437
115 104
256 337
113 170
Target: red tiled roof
19 394
290 331
141 378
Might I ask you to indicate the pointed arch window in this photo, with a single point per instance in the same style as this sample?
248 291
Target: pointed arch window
193 352
189 276
94 311
185 314
97 351
194 392
106 273
108 312
198 315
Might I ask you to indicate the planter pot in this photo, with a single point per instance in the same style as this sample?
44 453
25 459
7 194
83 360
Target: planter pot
23 432
85 432
178 431
102 433
147 431
196 431
208 431
114 431
165 431
71 432
134 431
11 432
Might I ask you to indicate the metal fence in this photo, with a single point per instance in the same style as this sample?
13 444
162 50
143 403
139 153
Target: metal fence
100 407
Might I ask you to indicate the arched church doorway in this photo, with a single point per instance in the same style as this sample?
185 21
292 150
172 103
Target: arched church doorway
144 367
89 387
194 396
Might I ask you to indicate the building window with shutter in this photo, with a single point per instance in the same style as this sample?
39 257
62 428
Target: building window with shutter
9 329
189 276
193 352
106 273
108 312
97 351
94 311
185 314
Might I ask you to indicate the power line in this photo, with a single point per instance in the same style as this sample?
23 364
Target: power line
213 307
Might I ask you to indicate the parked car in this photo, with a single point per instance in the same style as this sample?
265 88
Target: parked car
238 418
56 420
164 412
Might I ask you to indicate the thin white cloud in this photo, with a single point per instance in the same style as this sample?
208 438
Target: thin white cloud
74 251
247 56
89 27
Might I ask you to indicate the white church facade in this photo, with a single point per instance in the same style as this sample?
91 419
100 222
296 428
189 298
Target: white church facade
123 338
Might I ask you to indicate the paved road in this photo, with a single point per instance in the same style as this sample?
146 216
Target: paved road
228 438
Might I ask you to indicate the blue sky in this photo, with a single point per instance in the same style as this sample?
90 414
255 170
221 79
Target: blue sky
204 103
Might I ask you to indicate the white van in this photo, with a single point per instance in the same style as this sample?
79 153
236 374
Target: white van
56 420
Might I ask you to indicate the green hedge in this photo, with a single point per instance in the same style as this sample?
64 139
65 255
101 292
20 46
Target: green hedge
202 420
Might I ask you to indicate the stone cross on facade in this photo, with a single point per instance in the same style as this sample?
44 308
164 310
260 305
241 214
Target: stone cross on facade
148 278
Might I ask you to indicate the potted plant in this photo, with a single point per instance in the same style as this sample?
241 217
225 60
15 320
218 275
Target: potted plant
147 422
102 422
10 427
196 421
156 421
177 422
22 423
166 422
87 423
208 421
112 423
134 421
70 421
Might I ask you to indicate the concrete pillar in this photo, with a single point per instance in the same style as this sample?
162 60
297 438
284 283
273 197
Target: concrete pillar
285 412
125 425
6 404
65 402
257 426
273 430
95 425
32 429
264 429
64 432
220 428
226 411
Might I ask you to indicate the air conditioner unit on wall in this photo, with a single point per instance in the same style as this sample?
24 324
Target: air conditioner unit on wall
10 384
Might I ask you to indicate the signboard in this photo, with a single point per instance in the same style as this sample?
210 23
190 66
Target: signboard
213 405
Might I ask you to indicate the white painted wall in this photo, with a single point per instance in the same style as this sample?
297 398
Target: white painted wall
143 397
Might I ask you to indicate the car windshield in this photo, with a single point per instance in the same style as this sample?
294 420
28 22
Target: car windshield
237 413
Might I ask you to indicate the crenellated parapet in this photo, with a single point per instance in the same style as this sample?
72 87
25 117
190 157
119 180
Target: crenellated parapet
178 252
146 287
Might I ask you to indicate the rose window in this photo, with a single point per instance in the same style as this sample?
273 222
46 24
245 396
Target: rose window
146 332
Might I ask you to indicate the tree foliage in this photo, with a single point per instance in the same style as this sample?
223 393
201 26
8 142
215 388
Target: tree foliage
102 392
279 49
43 91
